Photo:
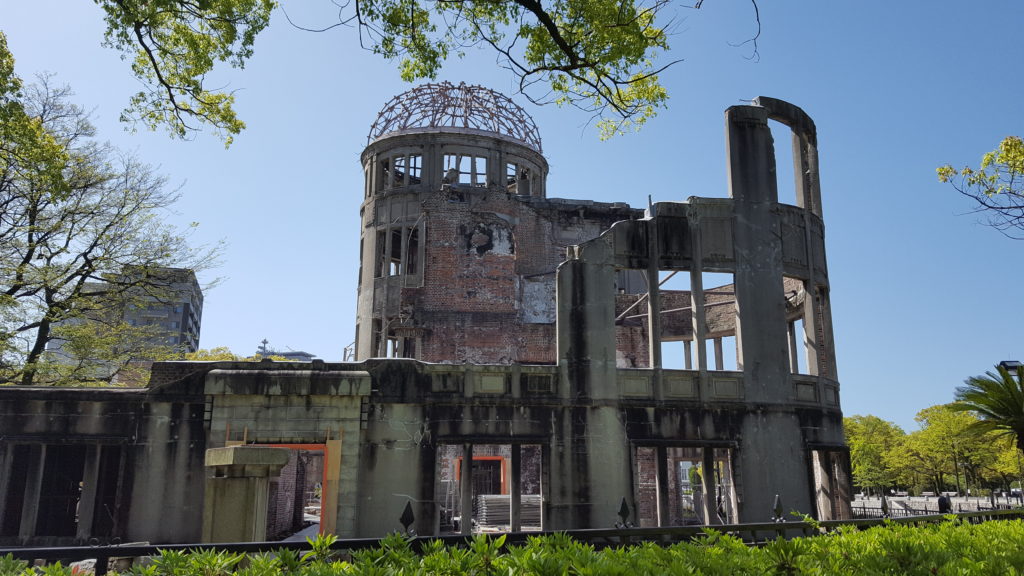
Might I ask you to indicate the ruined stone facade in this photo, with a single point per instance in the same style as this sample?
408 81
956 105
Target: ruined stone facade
510 361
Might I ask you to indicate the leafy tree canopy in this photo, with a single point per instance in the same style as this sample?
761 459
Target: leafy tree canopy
601 56
870 438
81 242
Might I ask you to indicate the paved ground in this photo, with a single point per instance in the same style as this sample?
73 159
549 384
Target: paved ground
301 535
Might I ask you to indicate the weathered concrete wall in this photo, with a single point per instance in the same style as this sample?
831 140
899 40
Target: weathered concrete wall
155 461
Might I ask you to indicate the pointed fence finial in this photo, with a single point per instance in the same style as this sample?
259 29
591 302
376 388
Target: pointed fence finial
407 517
623 515
777 510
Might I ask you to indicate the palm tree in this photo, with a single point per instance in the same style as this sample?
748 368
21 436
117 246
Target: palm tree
998 400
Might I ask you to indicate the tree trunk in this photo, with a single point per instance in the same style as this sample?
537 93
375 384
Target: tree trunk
42 336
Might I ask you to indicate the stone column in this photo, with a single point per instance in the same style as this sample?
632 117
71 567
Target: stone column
515 498
87 501
664 511
466 489
237 487
761 331
33 489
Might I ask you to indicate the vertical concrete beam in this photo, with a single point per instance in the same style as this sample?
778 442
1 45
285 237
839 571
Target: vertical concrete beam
662 486
586 329
707 477
823 485
687 352
515 491
6 461
331 489
87 500
237 487
794 362
760 299
33 489
653 294
466 489
772 442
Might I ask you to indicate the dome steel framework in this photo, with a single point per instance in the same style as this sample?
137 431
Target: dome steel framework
463 107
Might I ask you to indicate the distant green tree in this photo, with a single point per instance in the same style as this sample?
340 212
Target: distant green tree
870 438
223 353
944 449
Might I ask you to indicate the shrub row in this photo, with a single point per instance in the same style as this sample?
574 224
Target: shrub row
939 549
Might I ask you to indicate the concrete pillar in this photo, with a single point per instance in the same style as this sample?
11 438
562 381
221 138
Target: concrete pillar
664 512
794 362
719 357
589 477
515 491
466 489
707 477
687 355
699 318
87 500
237 487
33 488
653 295
6 461
761 331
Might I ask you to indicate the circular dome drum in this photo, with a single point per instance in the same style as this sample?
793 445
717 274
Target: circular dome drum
462 108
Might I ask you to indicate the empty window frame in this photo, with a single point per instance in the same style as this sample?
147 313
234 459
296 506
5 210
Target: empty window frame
465 169
499 490
721 319
672 484
399 169
398 250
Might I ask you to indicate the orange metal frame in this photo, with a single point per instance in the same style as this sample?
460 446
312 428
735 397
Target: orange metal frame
504 472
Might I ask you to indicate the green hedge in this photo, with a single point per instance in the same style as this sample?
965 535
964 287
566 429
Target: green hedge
940 549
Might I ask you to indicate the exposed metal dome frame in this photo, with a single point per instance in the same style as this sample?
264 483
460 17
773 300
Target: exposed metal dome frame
465 108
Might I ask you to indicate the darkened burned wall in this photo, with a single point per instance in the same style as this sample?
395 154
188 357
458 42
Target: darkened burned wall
80 464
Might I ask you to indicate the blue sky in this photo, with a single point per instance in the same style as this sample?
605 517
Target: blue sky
922 293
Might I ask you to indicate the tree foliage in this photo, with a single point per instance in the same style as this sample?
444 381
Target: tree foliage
173 45
870 438
997 398
223 353
602 56
996 186
81 240
950 450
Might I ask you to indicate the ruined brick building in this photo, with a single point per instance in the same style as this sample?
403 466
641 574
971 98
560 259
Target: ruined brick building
510 360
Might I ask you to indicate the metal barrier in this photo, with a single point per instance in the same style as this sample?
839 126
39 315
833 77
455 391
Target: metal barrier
752 533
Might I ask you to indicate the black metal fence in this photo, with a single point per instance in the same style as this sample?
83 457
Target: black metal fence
752 533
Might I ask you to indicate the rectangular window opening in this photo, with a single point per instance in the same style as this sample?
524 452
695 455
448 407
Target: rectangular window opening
672 486
59 495
465 169
398 173
784 168
486 488
415 169
721 321
676 320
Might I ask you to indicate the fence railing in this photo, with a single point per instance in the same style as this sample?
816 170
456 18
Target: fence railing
599 537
